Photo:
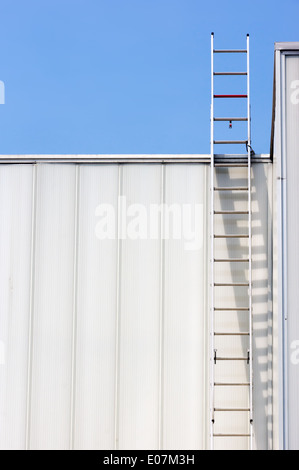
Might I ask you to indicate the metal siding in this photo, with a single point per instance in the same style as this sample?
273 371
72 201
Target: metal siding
16 183
262 316
53 308
112 343
285 250
95 332
139 317
292 227
184 355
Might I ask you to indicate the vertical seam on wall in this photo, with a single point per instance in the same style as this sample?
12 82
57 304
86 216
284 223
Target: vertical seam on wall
31 308
117 320
74 319
284 257
280 318
161 313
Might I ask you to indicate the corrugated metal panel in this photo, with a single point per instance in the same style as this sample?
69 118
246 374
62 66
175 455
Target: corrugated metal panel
94 375
262 306
139 316
286 255
52 317
16 184
185 321
292 195
110 337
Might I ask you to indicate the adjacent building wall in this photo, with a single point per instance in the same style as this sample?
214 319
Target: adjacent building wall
286 234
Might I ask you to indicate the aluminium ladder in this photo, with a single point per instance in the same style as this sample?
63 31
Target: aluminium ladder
222 415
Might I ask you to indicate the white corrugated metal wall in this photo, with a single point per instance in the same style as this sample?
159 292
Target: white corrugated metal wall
285 242
104 344
292 227
286 171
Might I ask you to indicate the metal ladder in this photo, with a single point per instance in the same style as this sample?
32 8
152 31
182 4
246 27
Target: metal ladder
218 360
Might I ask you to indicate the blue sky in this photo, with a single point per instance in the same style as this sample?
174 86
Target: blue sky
129 76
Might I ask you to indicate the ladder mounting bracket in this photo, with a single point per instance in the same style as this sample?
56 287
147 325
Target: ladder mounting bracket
215 356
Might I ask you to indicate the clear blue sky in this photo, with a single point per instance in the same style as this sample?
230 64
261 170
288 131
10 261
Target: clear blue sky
128 76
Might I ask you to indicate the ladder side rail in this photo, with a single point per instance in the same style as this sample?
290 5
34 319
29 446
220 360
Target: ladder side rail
250 251
212 381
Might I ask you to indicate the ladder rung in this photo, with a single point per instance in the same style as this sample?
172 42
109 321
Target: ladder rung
230 51
232 260
231 236
231 119
232 358
231 188
232 409
230 96
232 284
231 165
231 212
231 435
231 334
230 73
231 309
227 384
224 142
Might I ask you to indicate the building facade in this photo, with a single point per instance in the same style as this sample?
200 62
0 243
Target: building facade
105 305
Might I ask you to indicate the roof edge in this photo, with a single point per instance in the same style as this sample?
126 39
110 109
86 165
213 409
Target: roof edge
286 46
130 158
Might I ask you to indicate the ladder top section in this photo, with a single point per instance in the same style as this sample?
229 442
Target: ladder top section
212 34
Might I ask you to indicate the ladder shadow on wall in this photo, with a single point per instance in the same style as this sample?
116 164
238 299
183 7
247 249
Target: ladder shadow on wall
238 296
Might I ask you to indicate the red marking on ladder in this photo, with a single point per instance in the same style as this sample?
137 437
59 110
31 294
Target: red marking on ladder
230 96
